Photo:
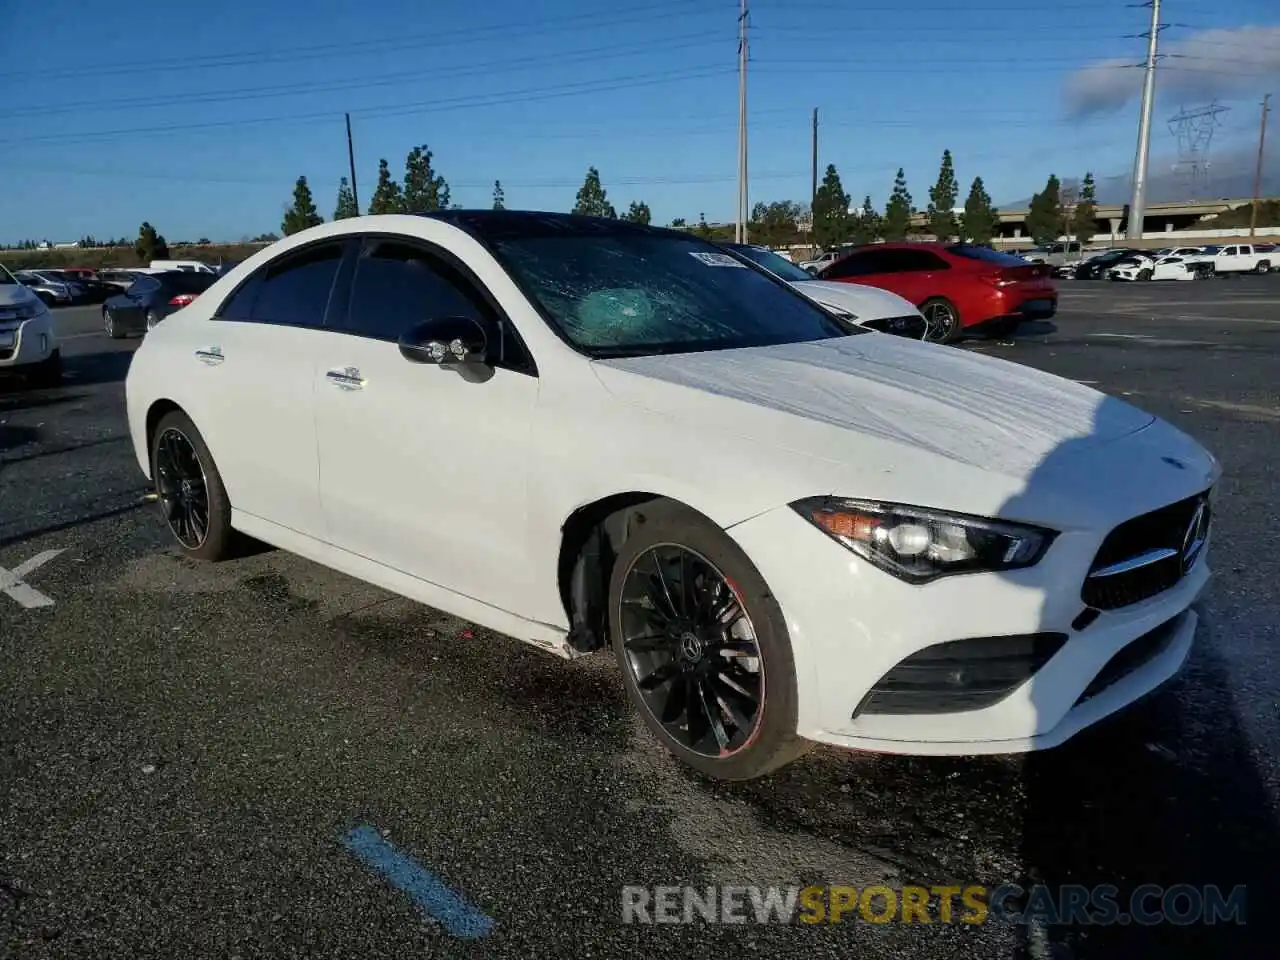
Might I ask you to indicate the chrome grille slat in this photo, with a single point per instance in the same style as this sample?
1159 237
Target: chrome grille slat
1147 555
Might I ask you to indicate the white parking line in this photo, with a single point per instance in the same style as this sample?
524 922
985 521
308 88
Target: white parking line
12 584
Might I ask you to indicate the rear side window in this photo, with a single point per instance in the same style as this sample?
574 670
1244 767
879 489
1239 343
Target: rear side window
971 251
142 286
398 285
292 291
189 282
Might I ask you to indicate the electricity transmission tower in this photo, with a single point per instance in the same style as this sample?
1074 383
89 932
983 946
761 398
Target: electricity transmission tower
1194 130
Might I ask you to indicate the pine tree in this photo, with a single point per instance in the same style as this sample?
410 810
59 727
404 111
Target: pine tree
897 212
149 246
424 189
303 213
499 198
1043 217
678 223
1086 212
638 213
866 226
830 211
386 195
346 206
980 222
592 201
942 201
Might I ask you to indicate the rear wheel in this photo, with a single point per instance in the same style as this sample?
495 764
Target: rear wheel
1263 267
1145 274
190 490
942 320
111 325
703 647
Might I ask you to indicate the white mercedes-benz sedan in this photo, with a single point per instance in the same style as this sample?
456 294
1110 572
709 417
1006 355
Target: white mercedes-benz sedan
586 433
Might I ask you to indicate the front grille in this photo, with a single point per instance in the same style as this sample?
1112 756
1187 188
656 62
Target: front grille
1133 655
961 674
1147 555
912 327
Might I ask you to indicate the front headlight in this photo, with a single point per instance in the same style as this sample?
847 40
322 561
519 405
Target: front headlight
919 545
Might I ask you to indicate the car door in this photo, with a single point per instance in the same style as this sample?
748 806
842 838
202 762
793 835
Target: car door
424 467
130 309
1228 259
255 363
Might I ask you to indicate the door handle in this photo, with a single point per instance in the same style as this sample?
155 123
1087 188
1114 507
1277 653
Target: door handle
346 378
210 355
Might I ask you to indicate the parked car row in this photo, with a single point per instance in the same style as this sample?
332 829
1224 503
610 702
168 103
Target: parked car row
1177 263
74 286
958 288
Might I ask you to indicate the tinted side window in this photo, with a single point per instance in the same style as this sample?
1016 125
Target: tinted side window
398 285
189 283
857 265
919 260
294 290
142 286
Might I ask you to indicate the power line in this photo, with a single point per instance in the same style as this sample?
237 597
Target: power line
349 48
389 110
260 92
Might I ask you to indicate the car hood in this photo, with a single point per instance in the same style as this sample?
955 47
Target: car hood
987 413
15 295
865 303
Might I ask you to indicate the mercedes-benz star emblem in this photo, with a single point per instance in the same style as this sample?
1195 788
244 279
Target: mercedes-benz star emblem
1193 540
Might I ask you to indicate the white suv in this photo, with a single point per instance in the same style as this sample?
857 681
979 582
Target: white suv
28 343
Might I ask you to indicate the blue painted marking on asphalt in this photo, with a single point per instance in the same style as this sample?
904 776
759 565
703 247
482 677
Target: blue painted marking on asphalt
431 895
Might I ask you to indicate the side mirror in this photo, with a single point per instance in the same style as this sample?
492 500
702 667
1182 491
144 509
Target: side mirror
445 340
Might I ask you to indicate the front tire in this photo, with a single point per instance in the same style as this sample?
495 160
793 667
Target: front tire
942 320
1263 267
192 498
703 647
1145 274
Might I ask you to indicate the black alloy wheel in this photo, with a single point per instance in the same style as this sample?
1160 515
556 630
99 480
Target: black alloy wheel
941 319
182 487
692 650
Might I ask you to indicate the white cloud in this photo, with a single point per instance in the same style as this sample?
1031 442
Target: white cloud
1213 64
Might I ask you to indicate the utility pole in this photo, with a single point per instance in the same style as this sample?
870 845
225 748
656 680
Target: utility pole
351 161
813 194
1138 203
1257 173
740 230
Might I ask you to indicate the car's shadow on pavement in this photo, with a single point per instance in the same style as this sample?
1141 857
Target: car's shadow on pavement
108 366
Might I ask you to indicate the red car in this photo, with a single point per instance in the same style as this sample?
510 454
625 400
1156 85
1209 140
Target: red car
959 287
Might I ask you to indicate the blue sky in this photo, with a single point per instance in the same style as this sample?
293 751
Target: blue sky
199 117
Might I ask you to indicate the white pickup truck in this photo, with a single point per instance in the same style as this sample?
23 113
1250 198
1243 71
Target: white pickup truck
1239 258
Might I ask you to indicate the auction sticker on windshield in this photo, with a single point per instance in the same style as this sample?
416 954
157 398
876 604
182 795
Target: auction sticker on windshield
716 259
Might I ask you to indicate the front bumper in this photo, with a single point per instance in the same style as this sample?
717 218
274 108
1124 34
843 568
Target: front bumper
850 624
27 342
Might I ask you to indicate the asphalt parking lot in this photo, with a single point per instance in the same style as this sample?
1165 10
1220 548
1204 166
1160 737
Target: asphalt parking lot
184 749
